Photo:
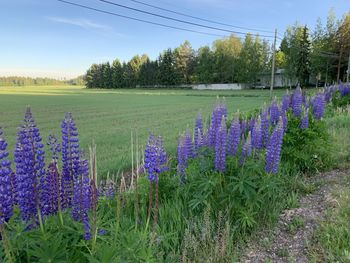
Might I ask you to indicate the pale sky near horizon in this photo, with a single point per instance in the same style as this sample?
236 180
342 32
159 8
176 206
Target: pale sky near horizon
52 39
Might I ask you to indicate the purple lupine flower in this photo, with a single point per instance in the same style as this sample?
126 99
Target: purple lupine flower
220 147
297 100
155 158
162 155
188 144
181 160
246 148
286 102
305 120
257 135
328 95
198 133
344 89
265 128
82 197
70 159
184 153
102 232
110 192
284 120
252 123
273 153
219 111
50 183
107 189
274 112
318 106
6 191
234 136
30 167
50 190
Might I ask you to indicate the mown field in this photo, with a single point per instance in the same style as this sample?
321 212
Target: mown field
109 116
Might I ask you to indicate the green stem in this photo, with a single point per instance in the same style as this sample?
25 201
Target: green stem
7 246
40 220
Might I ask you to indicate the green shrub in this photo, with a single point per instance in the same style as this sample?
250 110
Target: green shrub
306 150
339 101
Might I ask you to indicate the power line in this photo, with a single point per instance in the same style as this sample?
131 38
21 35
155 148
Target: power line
199 18
178 20
140 20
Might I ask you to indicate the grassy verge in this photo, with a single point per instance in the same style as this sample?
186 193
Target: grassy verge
331 242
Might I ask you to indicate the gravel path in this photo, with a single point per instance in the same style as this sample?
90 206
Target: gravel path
288 242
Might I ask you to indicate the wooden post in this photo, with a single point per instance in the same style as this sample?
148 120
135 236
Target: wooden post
273 64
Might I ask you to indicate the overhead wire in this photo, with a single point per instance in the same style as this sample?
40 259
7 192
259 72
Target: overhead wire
199 18
178 20
138 19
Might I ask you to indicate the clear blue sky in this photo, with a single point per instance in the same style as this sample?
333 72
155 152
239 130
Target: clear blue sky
49 38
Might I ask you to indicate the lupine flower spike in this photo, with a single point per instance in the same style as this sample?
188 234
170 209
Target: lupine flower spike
265 127
50 184
234 136
30 168
318 105
285 102
184 153
82 197
274 112
273 153
305 120
219 111
70 159
297 100
246 148
198 133
6 195
220 147
155 164
257 135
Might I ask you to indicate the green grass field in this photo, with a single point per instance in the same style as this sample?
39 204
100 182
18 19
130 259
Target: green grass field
109 116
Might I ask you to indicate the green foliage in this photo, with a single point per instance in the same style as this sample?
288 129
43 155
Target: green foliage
339 128
208 240
27 81
339 101
306 150
296 47
229 60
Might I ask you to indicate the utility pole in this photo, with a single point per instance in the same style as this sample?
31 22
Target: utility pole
273 64
348 71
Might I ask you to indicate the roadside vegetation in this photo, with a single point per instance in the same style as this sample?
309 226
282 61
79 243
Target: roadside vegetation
229 179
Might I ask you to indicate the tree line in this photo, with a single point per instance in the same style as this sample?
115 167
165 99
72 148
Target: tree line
320 55
184 65
28 81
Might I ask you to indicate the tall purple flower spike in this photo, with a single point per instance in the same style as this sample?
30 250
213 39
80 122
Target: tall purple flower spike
70 159
234 136
6 191
155 158
273 153
220 147
30 168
